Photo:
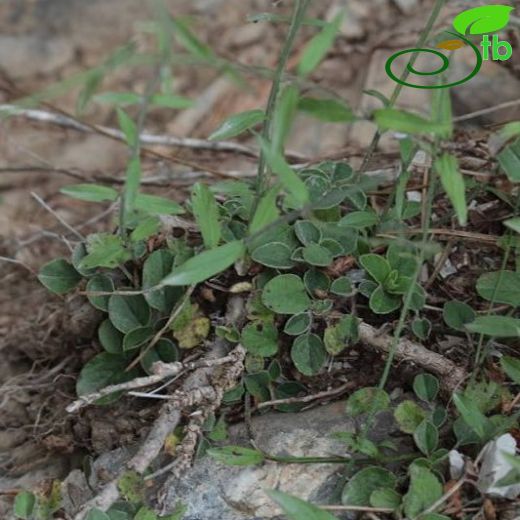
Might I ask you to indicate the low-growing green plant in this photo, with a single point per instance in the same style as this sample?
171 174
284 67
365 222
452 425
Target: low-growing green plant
417 486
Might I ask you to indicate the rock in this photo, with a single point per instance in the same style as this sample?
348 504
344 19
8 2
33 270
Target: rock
406 6
38 55
212 490
352 27
493 85
248 34
75 491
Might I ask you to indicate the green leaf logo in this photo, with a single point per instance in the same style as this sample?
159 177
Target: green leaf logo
482 20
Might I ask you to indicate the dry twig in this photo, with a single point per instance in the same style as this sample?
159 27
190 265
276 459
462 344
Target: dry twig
162 371
451 375
64 121
195 391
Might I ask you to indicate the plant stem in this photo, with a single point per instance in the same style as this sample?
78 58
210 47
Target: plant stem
337 459
439 4
296 21
407 300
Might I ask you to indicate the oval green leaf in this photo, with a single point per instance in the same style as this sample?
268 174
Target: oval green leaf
260 338
128 312
275 255
285 294
100 283
59 276
308 354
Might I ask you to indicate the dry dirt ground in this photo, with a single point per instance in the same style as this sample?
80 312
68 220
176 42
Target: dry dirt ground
44 339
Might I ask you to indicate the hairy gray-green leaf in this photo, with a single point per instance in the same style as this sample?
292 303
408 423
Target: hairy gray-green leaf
206 212
406 122
457 314
100 283
342 286
156 267
376 266
318 46
421 327
236 124
314 254
367 399
59 276
382 302
104 250
128 312
408 416
156 205
360 487
307 232
285 294
205 264
298 324
328 110
453 182
308 354
501 287
260 338
110 338
498 326
276 255
424 490
90 192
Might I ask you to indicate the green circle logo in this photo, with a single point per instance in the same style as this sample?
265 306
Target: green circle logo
445 63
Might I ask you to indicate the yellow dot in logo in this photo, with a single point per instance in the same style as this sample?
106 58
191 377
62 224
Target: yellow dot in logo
451 45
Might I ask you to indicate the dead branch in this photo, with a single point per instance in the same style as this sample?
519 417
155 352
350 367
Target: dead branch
334 392
195 387
221 381
451 375
63 121
161 371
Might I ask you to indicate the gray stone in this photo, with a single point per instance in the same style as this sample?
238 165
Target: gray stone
30 55
406 6
493 85
212 490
